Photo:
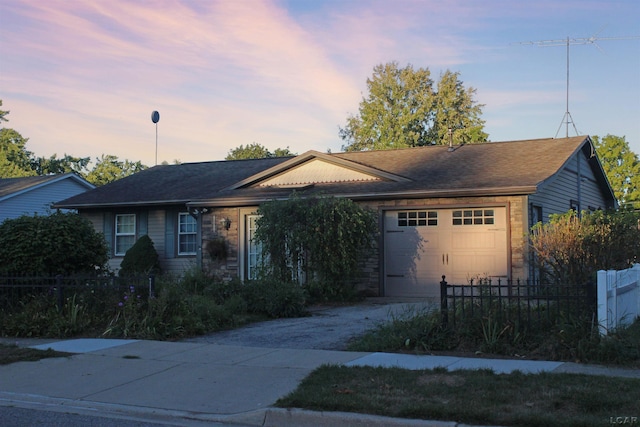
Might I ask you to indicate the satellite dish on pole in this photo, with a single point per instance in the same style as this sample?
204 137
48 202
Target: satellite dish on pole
155 118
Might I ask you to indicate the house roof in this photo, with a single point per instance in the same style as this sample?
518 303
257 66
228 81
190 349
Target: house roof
509 168
12 187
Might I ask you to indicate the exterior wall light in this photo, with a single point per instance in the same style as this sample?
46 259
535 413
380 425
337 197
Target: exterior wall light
225 223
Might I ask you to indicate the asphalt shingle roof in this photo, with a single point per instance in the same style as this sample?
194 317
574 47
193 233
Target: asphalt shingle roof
515 167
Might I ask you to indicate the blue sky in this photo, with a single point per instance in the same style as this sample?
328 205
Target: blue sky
82 78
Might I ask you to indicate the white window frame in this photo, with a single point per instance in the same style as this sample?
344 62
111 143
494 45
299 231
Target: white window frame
122 234
182 233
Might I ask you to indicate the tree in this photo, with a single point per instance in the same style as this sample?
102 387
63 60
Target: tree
15 160
455 109
14 157
3 113
53 165
403 110
109 168
256 151
621 166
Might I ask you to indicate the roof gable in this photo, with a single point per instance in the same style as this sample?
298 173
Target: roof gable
314 167
12 187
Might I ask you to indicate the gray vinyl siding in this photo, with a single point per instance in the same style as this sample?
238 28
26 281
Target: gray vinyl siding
154 224
555 196
39 200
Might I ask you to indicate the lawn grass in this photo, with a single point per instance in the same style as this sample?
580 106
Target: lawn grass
475 397
12 353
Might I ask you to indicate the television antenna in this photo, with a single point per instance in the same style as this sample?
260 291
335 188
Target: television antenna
567 119
155 118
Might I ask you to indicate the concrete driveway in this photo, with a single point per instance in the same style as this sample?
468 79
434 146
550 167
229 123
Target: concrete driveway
327 328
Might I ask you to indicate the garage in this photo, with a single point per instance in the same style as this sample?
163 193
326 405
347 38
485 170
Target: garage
422 245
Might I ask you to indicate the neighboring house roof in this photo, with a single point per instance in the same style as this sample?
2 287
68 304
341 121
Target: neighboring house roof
13 187
34 195
516 167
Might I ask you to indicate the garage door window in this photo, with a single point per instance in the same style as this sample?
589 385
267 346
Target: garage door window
474 217
417 219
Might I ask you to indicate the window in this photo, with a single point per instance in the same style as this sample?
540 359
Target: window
187 227
417 219
254 249
125 232
474 217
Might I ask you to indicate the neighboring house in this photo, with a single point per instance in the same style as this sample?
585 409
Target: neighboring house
34 195
461 212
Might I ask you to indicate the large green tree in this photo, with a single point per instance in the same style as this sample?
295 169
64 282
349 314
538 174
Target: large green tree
109 168
15 160
402 109
456 112
621 166
256 151
53 165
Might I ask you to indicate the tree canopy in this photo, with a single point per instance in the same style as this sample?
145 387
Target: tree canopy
109 168
402 109
256 151
621 166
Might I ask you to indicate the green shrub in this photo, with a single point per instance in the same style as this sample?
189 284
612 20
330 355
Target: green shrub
61 243
140 259
275 298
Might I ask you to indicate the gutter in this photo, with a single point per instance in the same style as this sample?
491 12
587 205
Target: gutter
256 200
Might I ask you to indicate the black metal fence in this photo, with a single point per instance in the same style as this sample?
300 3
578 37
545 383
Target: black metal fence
15 289
520 301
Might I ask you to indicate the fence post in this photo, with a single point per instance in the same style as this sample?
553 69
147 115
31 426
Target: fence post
444 310
60 291
152 286
603 303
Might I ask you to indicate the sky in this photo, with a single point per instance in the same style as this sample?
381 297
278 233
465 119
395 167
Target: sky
83 77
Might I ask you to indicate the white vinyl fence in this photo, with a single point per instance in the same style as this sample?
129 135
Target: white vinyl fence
618 297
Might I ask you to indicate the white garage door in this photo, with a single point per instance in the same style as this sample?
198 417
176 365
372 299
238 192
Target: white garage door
423 245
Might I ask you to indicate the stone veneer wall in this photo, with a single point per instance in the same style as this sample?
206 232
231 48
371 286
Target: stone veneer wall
225 269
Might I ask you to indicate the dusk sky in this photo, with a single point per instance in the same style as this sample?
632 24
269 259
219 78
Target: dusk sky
83 77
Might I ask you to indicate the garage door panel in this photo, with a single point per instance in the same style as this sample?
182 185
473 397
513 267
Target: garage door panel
473 244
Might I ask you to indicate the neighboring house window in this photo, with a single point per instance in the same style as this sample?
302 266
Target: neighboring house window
125 232
187 227
418 219
474 217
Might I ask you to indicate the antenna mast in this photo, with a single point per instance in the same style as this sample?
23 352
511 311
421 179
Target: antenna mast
566 119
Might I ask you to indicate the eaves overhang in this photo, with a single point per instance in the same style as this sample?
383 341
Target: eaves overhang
136 204
241 201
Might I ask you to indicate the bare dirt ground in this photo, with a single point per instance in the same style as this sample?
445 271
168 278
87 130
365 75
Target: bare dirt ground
327 328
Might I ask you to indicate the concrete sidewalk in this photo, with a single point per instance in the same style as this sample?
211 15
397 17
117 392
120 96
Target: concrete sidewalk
200 382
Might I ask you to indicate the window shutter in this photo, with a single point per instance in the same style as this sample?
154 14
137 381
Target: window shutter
107 229
143 223
170 224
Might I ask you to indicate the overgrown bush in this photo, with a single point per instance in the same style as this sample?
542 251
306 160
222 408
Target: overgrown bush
140 259
571 249
123 307
61 243
315 240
